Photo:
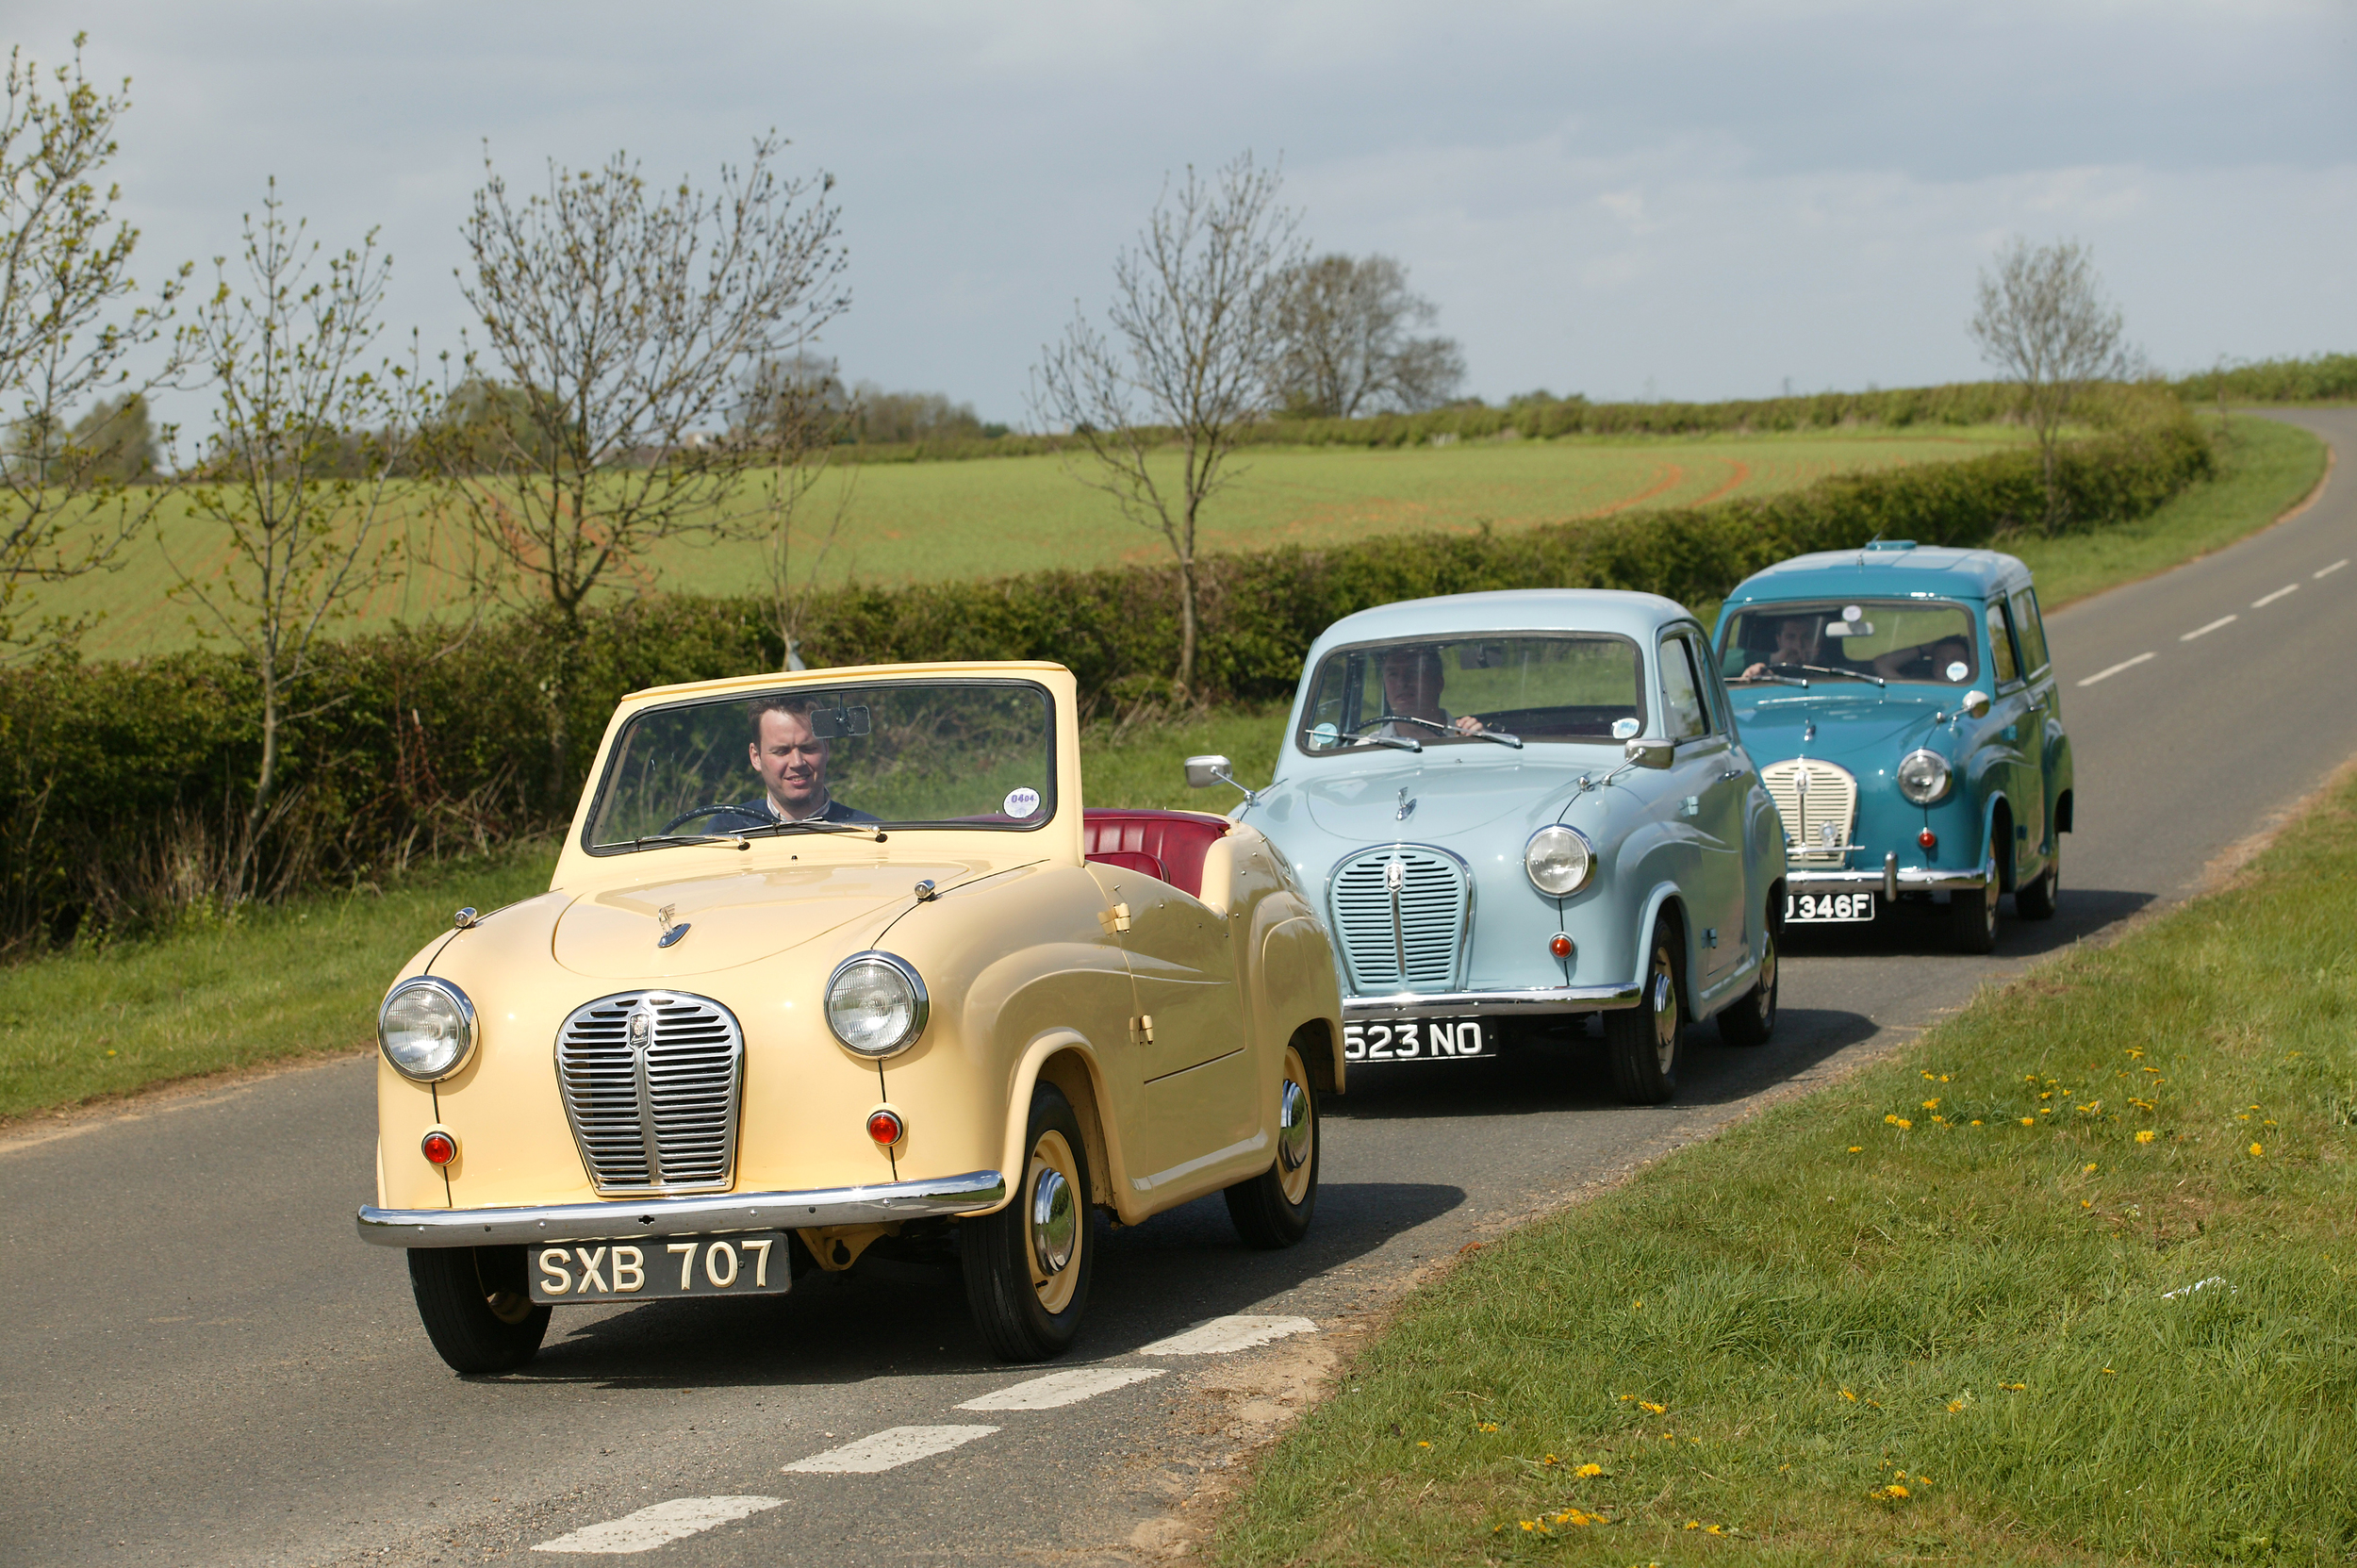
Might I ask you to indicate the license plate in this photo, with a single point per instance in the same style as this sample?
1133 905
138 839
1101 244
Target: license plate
751 1263
1414 1040
1820 908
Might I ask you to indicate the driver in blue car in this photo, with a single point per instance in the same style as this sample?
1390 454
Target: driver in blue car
1412 679
1800 641
790 758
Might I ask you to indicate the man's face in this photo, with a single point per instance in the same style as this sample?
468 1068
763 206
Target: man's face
1412 685
1796 640
792 763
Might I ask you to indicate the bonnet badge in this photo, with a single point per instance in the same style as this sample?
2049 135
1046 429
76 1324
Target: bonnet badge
670 932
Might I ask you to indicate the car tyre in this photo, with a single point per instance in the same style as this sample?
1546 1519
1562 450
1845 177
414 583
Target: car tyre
1273 1209
2038 900
1643 1040
476 1306
1752 1017
1973 915
1028 1266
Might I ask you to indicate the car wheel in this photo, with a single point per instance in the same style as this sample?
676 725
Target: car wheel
1973 915
1642 1040
1752 1017
2038 900
476 1306
1026 1268
1273 1209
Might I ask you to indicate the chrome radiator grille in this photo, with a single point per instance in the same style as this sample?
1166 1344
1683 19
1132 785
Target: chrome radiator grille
650 1081
1817 801
1404 913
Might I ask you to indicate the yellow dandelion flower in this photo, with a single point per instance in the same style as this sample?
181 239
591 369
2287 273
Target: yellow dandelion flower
1422 1445
1955 1405
1932 1104
1976 1121
2029 1121
2087 1169
1485 1426
2257 1149
1589 1470
1905 1124
2144 1136
1851 1398
1857 1148
1895 1489
1713 1529
2018 1388
1652 1409
1939 1121
1891 1119
1943 1077
1693 1523
2134 1053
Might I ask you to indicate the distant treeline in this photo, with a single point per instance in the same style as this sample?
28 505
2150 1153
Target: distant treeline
121 785
2320 378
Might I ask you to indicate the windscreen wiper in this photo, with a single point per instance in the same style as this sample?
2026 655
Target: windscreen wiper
817 824
658 841
1821 670
1398 743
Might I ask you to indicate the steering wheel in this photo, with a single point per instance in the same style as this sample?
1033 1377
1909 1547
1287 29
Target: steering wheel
700 811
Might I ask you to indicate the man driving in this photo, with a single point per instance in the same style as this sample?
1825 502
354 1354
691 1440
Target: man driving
790 759
1799 641
1411 690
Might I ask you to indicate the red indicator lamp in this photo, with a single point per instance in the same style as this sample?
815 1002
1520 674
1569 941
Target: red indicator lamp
438 1147
886 1128
1559 945
1929 840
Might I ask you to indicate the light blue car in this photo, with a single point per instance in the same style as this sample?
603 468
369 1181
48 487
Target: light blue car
1515 810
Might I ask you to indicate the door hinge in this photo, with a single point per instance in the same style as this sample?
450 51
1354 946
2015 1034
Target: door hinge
1114 919
1691 806
1710 937
1142 1030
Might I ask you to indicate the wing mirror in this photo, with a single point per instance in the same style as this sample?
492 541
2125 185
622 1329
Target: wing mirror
1651 753
1976 705
1205 771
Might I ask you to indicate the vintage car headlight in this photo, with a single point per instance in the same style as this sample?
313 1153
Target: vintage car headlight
1923 777
1560 860
426 1029
875 1004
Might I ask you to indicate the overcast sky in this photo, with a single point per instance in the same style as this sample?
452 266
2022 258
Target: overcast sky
1682 200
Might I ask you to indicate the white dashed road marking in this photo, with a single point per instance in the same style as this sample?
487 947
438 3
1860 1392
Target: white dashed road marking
1062 1387
2107 674
658 1525
2262 604
2331 570
2205 631
1224 1335
887 1450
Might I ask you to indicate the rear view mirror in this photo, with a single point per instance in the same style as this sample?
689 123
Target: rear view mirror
835 724
1203 772
1849 628
1481 655
1651 753
1976 703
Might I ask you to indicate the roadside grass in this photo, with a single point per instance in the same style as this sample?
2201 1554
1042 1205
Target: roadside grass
992 517
2269 467
276 984
2068 1280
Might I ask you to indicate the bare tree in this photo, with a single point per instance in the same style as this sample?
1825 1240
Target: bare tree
2045 324
66 337
1344 323
629 319
794 416
1194 338
297 491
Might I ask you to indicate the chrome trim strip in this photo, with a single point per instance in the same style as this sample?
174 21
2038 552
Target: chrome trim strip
1459 1005
681 1216
1911 879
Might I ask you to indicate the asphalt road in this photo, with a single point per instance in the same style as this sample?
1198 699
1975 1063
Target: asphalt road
205 1366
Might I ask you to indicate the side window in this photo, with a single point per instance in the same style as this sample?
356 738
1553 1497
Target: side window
1682 708
2033 630
2006 667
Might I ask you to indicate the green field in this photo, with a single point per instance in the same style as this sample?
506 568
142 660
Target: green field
2067 1281
916 521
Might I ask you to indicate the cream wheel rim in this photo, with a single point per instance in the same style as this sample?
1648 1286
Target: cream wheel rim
1055 1221
1296 1130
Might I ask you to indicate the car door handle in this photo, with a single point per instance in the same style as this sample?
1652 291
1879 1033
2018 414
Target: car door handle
1732 773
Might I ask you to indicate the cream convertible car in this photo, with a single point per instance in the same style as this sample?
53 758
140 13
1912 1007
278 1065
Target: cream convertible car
837 961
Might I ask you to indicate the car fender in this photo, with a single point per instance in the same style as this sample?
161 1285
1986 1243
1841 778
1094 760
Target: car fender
1108 1166
1661 897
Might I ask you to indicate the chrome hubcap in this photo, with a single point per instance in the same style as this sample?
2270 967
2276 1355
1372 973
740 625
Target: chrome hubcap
1054 1223
1665 1018
1292 1126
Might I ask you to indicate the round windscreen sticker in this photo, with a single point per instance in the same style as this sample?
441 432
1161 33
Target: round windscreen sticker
1853 612
1021 802
1958 670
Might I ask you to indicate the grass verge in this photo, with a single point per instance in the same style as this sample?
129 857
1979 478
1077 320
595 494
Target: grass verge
303 978
2067 1281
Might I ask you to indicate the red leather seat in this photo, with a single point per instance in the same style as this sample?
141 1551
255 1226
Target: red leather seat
1176 840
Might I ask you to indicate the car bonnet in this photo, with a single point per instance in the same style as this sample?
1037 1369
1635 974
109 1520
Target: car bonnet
1876 728
1442 794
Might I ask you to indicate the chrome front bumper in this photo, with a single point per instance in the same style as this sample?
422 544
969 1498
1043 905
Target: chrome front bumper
1891 881
1510 1004
682 1216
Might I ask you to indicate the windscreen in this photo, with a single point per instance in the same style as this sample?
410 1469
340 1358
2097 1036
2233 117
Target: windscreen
962 754
1899 639
1456 690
